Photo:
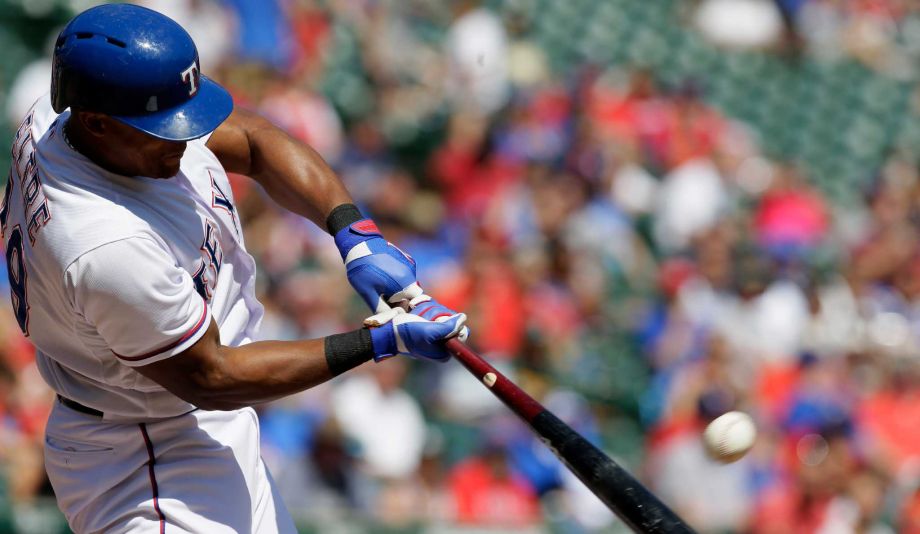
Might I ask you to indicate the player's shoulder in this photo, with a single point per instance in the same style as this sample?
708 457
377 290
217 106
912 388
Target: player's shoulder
35 128
38 122
41 116
51 150
73 219
81 226
84 214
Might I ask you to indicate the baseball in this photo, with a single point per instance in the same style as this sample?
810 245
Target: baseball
729 437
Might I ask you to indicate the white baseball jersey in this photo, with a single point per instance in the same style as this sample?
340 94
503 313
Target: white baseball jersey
110 272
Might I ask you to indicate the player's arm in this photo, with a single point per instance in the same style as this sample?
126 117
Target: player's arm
292 173
150 315
297 178
217 377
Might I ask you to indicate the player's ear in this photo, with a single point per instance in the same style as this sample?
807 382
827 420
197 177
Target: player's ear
96 124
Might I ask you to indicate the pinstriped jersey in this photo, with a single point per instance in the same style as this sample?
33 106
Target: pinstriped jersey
110 272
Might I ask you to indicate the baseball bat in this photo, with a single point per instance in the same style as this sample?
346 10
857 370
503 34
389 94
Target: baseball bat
626 497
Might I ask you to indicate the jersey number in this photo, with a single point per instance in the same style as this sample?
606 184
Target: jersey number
16 269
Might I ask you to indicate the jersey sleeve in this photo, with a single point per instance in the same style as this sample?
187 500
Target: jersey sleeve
141 303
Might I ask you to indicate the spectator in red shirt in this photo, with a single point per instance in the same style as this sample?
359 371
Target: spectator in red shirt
486 493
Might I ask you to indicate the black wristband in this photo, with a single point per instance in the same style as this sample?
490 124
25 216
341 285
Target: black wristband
342 216
349 350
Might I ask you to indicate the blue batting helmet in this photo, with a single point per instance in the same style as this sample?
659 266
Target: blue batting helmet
139 67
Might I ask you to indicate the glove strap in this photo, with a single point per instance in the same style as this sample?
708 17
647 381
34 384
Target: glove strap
383 340
351 234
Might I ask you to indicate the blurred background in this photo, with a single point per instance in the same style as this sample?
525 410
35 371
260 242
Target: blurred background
653 212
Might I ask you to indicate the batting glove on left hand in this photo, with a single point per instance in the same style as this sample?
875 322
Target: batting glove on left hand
379 271
396 331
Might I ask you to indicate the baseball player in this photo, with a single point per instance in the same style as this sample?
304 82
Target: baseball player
129 274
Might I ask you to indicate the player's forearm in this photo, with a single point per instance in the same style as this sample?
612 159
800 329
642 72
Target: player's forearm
294 175
268 370
260 372
215 377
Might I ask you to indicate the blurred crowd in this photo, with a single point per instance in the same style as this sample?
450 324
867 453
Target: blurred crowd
881 34
626 252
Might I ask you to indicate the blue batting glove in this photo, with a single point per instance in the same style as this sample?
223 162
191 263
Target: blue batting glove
396 331
426 307
379 271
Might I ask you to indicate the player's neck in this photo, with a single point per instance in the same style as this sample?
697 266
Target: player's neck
82 141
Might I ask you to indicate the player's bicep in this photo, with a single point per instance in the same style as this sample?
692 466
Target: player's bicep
139 301
230 142
187 374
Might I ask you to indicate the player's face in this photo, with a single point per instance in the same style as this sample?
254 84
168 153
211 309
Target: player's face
141 154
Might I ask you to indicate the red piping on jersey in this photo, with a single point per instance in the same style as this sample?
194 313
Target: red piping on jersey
183 339
153 478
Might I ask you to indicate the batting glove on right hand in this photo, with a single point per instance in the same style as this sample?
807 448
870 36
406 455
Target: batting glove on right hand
426 307
396 331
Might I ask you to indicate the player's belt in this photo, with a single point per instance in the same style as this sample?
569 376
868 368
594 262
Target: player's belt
74 405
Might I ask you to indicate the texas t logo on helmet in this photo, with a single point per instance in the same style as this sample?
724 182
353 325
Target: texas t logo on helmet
190 76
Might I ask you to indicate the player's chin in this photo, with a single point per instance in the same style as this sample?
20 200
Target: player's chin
166 168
